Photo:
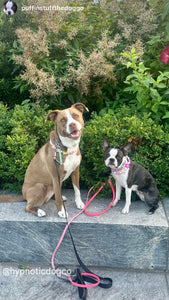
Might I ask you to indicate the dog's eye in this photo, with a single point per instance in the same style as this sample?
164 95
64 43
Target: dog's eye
75 116
63 120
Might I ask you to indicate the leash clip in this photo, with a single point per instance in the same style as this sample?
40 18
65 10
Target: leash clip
60 156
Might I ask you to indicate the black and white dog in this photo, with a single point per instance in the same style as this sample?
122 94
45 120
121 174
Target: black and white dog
131 176
10 8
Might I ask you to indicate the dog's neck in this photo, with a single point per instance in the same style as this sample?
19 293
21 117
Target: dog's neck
123 167
63 143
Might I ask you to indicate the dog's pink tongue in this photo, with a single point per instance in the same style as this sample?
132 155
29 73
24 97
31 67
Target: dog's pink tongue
75 134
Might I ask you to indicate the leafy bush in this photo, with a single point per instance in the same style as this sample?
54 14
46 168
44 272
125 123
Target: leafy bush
150 145
149 94
23 133
5 129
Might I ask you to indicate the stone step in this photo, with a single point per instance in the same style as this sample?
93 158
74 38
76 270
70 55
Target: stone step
133 241
37 281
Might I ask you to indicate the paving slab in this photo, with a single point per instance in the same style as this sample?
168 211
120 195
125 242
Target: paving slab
133 241
166 209
127 285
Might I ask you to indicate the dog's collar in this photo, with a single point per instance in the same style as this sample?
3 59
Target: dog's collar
57 148
122 170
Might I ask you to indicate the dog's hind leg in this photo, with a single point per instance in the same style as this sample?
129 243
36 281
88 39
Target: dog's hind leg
35 196
152 202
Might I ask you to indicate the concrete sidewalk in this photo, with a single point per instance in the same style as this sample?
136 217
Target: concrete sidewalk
127 285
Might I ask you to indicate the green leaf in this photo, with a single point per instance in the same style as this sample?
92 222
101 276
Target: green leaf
166 116
128 64
15 44
164 103
161 85
126 55
154 94
155 107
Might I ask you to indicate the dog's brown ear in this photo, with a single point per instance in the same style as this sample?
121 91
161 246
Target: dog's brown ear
80 106
52 115
106 144
126 149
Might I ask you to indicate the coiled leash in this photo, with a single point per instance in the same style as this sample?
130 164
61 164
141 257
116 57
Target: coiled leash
77 277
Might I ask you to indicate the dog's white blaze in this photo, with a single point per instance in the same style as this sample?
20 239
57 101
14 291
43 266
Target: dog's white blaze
71 163
9 4
113 153
71 120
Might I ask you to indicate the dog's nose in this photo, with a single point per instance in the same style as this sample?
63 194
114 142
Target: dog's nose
9 12
72 125
111 161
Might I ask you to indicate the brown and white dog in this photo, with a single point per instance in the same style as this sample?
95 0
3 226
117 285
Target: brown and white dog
41 179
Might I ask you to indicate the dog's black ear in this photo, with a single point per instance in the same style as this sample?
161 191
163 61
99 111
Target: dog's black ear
106 144
126 149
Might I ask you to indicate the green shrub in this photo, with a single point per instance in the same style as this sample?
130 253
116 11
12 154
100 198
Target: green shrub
148 94
149 142
23 133
5 129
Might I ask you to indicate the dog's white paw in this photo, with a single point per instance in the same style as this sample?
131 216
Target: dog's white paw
125 210
64 198
62 213
80 204
41 213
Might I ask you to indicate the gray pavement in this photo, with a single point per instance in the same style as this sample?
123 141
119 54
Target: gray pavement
25 281
19 284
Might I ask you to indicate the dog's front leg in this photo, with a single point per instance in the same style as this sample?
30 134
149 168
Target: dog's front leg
118 193
75 182
125 210
58 198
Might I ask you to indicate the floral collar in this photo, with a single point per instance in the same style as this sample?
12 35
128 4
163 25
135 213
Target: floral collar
123 169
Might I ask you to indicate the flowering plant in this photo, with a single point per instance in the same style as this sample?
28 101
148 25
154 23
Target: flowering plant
164 57
149 94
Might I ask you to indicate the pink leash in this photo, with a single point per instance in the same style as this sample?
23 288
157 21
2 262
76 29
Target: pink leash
66 227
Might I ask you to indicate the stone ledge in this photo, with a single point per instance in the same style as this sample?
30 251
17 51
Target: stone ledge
133 241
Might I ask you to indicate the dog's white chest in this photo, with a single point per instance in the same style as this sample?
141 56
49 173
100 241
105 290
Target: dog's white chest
121 178
71 163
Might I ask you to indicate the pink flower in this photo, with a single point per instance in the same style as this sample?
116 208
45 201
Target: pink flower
164 57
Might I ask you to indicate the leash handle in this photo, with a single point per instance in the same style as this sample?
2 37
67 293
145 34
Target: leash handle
86 285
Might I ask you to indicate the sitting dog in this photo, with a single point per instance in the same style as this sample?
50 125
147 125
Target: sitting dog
131 176
10 8
55 162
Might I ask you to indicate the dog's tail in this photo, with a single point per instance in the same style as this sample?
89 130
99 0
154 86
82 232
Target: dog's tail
9 199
